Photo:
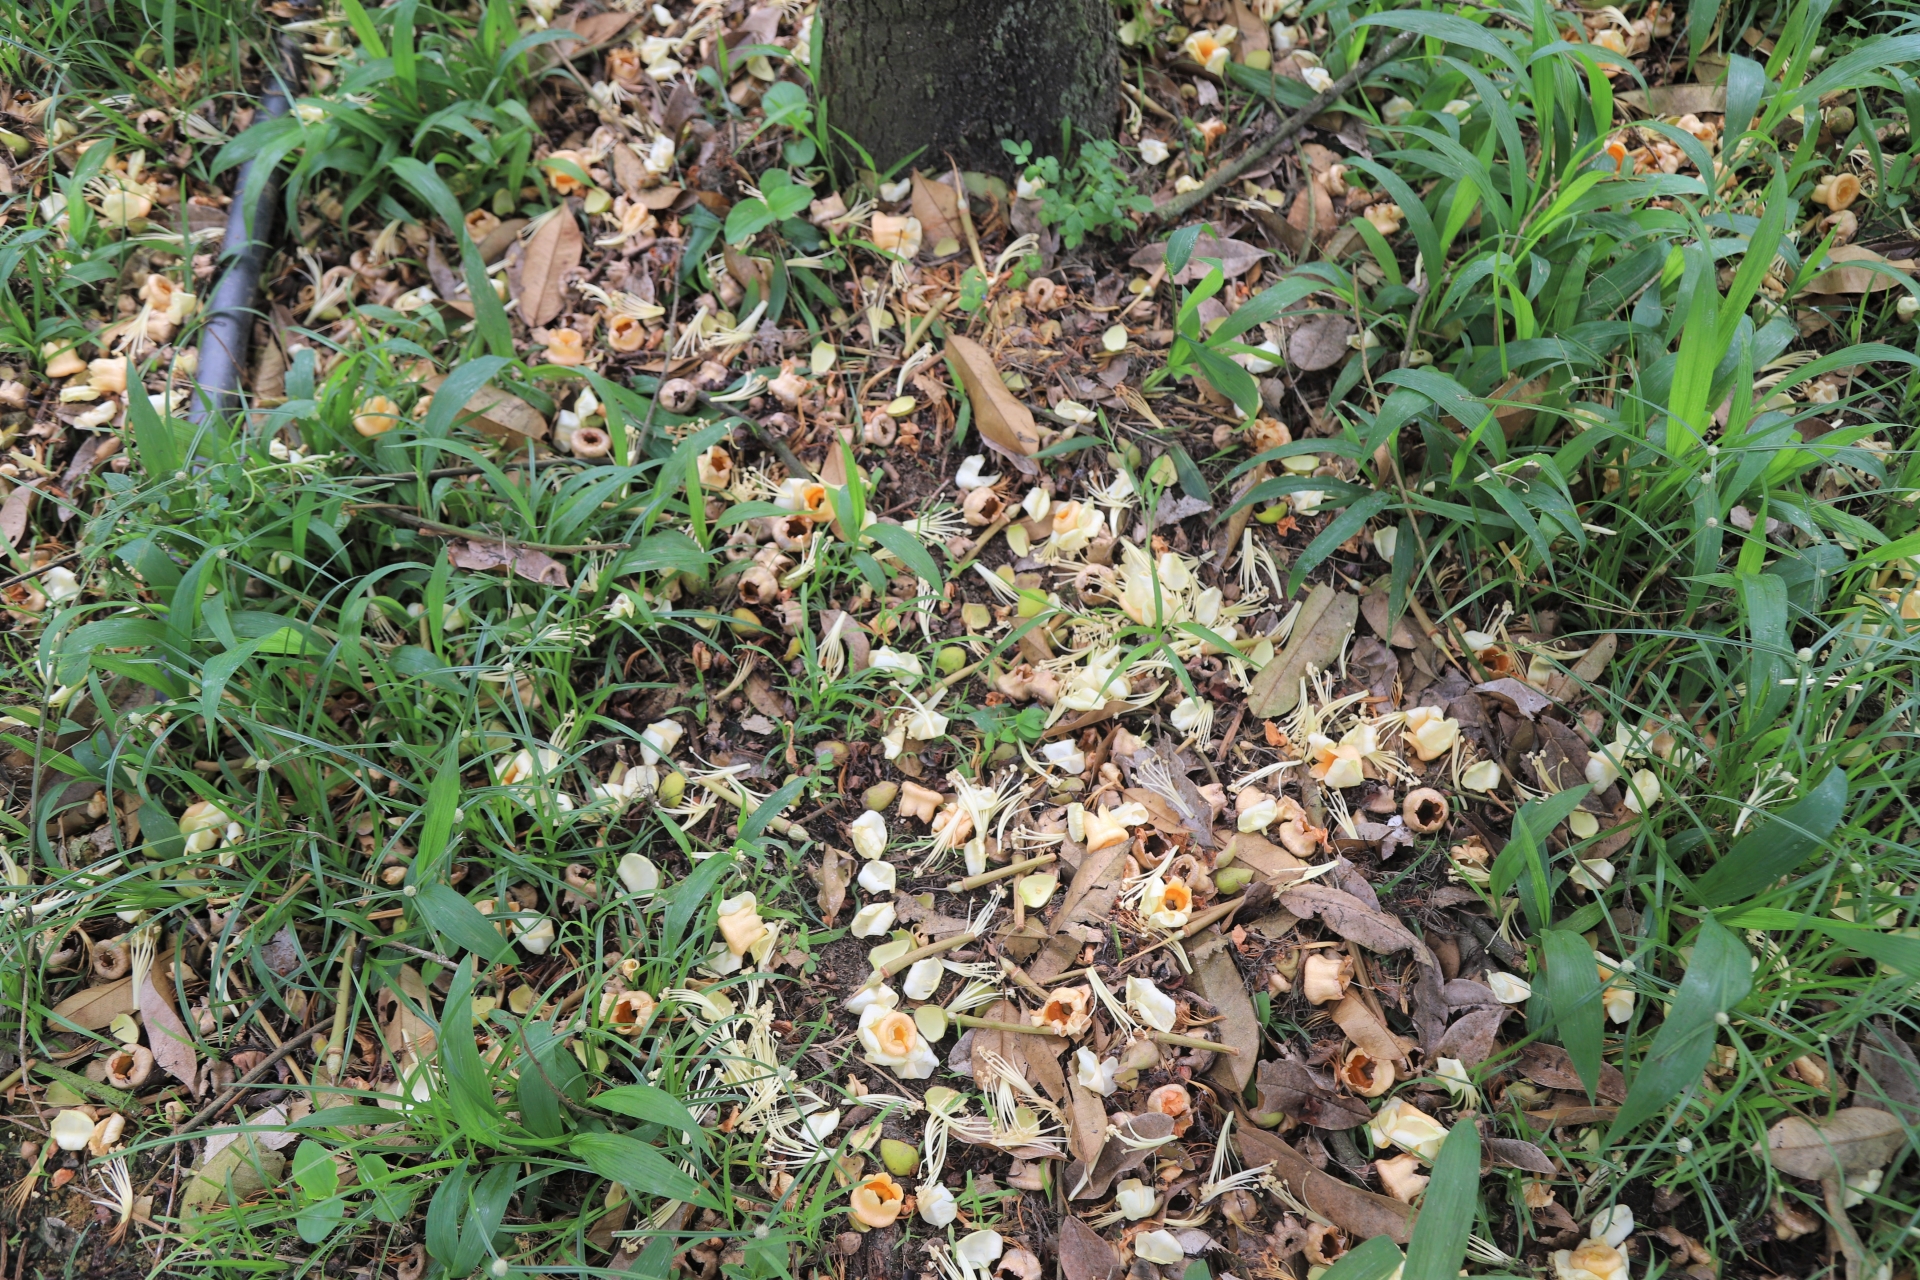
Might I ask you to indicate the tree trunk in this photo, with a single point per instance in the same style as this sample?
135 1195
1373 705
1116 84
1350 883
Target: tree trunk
956 77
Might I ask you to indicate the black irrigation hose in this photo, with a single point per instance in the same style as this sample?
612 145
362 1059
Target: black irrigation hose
230 316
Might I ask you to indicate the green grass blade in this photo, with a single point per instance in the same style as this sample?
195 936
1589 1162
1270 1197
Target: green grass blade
1573 993
1719 978
1776 845
1439 1243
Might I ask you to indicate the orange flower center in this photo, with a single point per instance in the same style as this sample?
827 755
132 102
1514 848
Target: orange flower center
1177 897
895 1032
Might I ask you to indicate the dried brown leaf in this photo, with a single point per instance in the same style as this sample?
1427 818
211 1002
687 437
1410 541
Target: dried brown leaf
97 1006
1117 1157
1086 1124
1319 637
1516 1153
1471 1037
16 511
1853 1140
1516 696
552 252
833 877
1849 278
1676 99
1003 422
525 562
1236 258
1220 983
166 1033
1286 1086
1367 1031
1084 1255
1320 343
1361 1214
1351 918
938 208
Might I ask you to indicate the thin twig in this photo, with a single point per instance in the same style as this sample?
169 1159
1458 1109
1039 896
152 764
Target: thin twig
48 567
1179 206
234 1091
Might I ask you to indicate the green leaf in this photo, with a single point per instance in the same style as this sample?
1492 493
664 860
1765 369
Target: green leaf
392 1198
684 900
460 922
1338 530
1439 1243
437 816
637 1166
669 551
909 550
645 1102
1180 247
313 1170
469 1083
752 824
1719 978
1374 1259
316 1222
1574 995
450 401
1523 851
1776 845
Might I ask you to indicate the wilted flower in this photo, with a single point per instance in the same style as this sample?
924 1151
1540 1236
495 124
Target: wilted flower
1135 1199
1094 1072
1211 48
658 740
1155 1007
1337 764
1431 732
71 1129
715 468
1617 997
1594 1260
923 978
1167 902
869 832
1318 79
1401 1177
937 1206
1508 989
877 1200
877 877
969 475
1067 1012
1324 977
1065 755
872 920
566 347
1153 151
1484 776
376 416
1400 1124
740 923
1158 1247
899 235
892 1040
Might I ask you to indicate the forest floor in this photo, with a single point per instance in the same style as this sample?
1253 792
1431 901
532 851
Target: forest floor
719 713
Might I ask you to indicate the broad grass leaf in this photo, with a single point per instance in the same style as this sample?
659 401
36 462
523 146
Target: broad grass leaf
1338 530
469 1083
1573 995
657 1106
910 550
1719 978
1375 1259
1439 1243
452 396
685 899
436 818
637 1166
1776 845
460 922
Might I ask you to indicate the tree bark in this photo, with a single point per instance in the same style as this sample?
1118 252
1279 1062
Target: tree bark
955 78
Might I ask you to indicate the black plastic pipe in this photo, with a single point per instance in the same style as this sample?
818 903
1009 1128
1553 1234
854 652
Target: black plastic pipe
247 244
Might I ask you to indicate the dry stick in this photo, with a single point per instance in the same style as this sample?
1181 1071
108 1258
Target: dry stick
48 567
233 1092
1000 873
1179 206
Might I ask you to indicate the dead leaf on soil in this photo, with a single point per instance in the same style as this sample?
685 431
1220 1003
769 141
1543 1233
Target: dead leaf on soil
1471 1037
97 1007
1588 669
1367 1031
938 209
1116 1157
1220 983
1516 1153
1004 423
762 696
1087 1124
1676 99
1311 214
1351 918
1889 1073
1236 258
1517 696
15 512
1374 608
166 1033
1320 343
481 557
1252 849
1286 1085
1319 636
1853 1139
498 413
1851 278
552 251
1084 1255
1361 1214
833 877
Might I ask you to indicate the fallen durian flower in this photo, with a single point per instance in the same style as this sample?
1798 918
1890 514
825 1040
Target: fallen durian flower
201 824
376 416
1256 809
1386 218
894 660
1401 1124
1401 1177
877 877
1324 977
923 978
1155 1007
1094 1072
1167 903
1425 810
525 765
1591 874
873 920
1105 829
1617 997
1211 47
892 1040
536 937
1431 731
1174 1102
968 476
869 832
740 923
1482 777
715 468
1508 989
1396 111
877 1200
1644 790
1193 717
1339 765
898 235
1068 1012
1594 1260
1153 151
566 347
658 740
1066 756
919 802
627 1012
883 997
1364 1074
1612 1225
1161 1247
1135 1199
936 1205
71 1129
1836 191
982 507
